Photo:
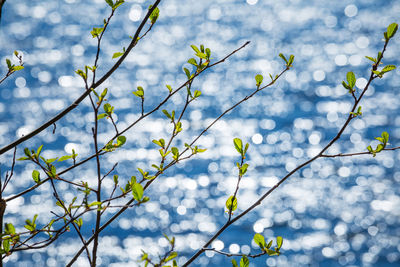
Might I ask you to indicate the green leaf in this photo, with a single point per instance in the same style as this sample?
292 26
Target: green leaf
117 54
9 65
187 72
139 92
387 69
371 58
279 242
259 240
195 48
115 178
283 57
104 93
385 136
160 142
118 3
110 3
101 116
175 152
39 150
169 87
351 79
137 191
291 59
6 245
65 158
245 148
238 145
243 169
171 256
259 79
95 203
391 30
36 176
231 203
192 61
166 113
269 244
208 53
196 94
121 140
27 152
51 160
154 15
271 252
16 68
96 31
9 229
234 263
244 262
201 55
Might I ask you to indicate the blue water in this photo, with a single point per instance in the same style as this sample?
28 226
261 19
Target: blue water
339 212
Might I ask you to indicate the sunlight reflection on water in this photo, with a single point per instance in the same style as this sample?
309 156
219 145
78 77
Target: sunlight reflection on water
342 211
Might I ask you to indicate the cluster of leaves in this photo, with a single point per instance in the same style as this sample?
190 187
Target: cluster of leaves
13 67
384 139
288 63
266 249
163 260
49 168
260 241
114 5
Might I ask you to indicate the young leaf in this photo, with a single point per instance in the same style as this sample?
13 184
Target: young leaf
279 242
192 61
118 3
117 54
196 94
385 137
9 65
171 256
391 30
291 59
6 245
36 176
154 15
238 145
259 79
195 48
387 69
137 191
244 262
121 140
9 229
65 158
283 57
371 58
187 72
234 263
166 113
101 116
16 68
110 3
351 79
259 240
231 203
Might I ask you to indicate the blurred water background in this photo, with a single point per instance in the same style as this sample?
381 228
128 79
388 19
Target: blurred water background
339 212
